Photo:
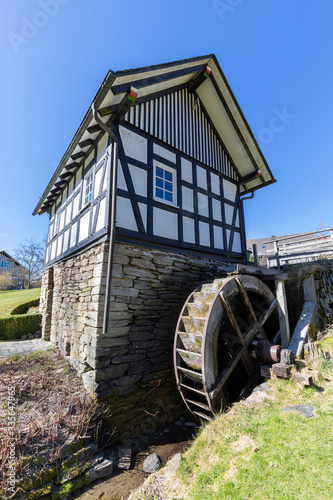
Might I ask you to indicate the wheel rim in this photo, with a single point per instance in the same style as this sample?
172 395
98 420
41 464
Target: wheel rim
212 349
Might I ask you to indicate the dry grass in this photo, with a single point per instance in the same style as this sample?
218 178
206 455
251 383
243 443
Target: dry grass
45 399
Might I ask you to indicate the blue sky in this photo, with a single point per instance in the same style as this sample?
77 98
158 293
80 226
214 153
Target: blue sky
276 55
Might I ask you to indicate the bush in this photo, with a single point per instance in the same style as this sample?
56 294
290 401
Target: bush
16 326
24 308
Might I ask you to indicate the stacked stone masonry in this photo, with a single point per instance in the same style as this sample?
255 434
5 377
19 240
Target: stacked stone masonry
131 366
324 286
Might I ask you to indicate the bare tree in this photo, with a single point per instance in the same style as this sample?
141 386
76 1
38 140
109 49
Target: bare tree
30 254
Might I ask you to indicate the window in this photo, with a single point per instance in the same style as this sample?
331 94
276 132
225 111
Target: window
164 184
4 264
88 188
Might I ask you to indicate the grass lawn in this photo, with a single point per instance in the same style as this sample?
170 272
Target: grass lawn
258 451
9 299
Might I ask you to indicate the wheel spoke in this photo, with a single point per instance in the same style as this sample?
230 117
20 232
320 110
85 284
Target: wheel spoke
250 309
223 377
231 316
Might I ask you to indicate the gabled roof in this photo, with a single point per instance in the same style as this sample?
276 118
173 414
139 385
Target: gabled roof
214 93
11 258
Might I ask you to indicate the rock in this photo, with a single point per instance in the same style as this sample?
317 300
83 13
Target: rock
102 469
125 455
24 337
151 464
305 410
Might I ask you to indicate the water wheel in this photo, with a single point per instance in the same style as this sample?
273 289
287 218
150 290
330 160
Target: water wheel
219 326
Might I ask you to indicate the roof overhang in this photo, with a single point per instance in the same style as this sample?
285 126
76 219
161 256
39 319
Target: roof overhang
215 96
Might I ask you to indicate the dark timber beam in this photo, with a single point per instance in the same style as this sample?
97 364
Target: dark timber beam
86 143
78 155
251 177
122 108
198 80
94 129
72 166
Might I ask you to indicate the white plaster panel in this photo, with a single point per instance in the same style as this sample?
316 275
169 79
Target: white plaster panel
121 183
66 240
101 147
201 177
97 185
101 215
135 145
188 230
59 248
62 220
203 204
84 226
187 195
89 159
71 186
165 224
143 211
237 246
73 234
68 213
50 233
139 179
229 190
78 176
218 237
204 236
229 212
53 251
187 170
215 183
237 219
217 213
76 203
125 216
169 155
105 181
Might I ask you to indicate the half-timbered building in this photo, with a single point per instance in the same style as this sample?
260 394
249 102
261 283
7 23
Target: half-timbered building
145 203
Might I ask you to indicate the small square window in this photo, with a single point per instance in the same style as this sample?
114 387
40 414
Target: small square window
4 264
164 183
88 188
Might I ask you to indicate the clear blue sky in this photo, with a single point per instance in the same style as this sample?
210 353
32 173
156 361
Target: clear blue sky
276 55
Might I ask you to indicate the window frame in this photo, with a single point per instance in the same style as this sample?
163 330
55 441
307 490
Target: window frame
173 171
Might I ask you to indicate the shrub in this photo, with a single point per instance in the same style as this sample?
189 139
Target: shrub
16 326
24 308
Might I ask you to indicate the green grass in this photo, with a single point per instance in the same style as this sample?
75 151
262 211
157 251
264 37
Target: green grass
260 452
10 299
257 451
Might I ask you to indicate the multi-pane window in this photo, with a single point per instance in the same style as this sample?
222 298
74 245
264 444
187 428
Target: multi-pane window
164 184
4 264
88 188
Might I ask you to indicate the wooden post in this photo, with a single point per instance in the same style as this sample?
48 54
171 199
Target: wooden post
277 255
255 255
283 313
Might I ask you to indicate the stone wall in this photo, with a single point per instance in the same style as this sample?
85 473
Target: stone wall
134 361
130 367
73 311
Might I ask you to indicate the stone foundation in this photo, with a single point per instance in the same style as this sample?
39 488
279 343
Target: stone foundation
130 367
